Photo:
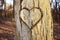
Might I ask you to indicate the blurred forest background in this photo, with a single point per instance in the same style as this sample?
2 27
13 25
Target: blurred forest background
55 8
7 21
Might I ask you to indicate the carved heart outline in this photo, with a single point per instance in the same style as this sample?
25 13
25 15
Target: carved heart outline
36 21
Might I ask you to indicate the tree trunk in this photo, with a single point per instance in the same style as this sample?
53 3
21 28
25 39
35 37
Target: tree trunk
33 19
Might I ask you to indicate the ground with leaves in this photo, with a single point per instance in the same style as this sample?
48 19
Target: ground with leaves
7 29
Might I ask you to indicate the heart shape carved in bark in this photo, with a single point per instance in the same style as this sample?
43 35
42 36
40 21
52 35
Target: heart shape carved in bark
31 17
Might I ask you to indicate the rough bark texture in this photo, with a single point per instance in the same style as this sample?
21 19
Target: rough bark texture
33 19
16 14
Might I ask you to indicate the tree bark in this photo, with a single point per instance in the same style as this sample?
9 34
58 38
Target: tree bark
34 19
